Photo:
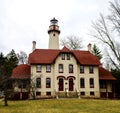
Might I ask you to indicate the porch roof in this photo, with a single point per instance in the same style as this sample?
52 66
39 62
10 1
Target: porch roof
105 74
21 72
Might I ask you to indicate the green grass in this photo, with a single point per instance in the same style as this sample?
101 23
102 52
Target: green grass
62 106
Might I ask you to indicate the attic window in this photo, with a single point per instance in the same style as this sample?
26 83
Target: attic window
68 56
54 34
63 56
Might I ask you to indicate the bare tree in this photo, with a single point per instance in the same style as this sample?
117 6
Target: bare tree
32 89
22 57
72 42
107 30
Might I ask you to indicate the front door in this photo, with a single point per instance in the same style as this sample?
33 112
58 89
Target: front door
71 84
61 84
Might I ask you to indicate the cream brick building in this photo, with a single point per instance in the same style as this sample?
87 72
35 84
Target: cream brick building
63 72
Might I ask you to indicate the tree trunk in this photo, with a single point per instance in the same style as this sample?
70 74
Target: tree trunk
5 99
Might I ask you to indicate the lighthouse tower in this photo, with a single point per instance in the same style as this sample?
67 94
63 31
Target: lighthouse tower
54 34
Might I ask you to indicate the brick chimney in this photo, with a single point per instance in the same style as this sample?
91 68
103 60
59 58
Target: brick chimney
90 47
34 45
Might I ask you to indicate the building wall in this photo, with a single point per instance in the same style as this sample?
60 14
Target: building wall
66 73
86 75
76 75
43 75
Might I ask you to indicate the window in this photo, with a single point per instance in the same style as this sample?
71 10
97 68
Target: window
81 69
68 56
24 83
70 68
82 93
82 83
38 82
60 68
102 84
48 68
91 69
91 83
20 85
38 68
38 93
48 82
63 56
48 93
92 93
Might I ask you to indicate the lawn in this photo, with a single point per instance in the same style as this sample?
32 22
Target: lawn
62 106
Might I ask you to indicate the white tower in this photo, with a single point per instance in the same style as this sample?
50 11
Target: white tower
53 34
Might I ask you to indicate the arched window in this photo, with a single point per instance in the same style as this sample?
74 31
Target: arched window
38 82
38 68
91 80
48 68
82 83
81 69
60 68
91 69
48 82
70 68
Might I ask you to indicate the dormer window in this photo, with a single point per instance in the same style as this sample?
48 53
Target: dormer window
68 56
63 56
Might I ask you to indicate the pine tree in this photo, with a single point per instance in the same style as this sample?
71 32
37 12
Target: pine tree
97 52
6 66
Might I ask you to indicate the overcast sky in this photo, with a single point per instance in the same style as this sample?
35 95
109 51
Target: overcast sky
22 21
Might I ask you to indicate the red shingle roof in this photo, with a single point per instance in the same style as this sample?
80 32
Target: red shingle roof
105 74
65 49
86 58
21 72
43 56
48 56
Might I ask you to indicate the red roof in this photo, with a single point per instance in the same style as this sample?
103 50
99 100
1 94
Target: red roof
43 56
48 56
86 58
21 72
105 74
65 49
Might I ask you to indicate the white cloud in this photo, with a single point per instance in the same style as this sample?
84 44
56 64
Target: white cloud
22 21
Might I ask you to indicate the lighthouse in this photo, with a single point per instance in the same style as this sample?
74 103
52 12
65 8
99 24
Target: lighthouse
53 34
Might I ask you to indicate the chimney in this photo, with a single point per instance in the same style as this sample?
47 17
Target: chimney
34 45
90 47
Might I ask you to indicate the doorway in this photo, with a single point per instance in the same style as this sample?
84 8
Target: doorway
61 84
71 84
